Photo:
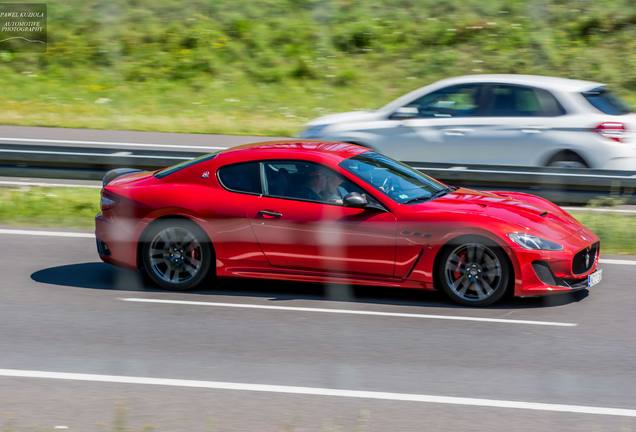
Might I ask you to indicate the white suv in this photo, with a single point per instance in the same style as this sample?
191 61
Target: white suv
496 120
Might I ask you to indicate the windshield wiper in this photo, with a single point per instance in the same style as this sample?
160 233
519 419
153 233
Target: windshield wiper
437 194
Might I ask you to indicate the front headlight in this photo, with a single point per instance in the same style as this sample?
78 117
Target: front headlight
313 132
528 241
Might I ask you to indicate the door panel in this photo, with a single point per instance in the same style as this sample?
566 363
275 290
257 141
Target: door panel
447 118
325 238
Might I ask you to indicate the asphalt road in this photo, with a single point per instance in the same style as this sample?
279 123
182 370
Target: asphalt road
61 311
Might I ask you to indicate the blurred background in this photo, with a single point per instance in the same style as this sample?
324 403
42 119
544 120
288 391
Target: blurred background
266 67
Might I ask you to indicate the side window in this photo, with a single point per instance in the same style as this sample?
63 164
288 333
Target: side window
454 101
520 101
606 102
243 177
306 181
550 106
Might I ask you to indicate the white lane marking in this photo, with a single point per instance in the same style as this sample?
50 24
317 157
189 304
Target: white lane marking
46 233
617 261
111 143
348 311
318 391
91 154
44 184
599 210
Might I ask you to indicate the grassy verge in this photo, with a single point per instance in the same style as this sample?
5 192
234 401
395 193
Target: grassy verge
76 208
268 66
49 207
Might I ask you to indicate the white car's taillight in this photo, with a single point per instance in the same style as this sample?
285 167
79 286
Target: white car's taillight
611 130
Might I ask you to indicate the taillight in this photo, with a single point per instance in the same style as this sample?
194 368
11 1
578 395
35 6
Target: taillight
107 202
611 130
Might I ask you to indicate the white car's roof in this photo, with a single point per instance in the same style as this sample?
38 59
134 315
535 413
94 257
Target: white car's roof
548 83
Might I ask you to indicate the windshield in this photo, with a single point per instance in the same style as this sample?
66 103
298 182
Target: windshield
400 182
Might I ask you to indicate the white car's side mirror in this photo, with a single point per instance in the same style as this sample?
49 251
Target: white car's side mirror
405 112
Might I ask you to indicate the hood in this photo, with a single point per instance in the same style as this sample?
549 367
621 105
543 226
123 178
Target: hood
521 212
353 116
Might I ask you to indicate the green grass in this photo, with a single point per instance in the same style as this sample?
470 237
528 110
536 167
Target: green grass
77 207
268 66
617 231
49 207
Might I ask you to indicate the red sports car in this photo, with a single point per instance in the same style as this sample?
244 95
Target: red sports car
332 212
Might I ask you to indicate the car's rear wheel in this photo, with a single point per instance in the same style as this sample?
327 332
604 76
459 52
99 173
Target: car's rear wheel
567 160
473 272
176 254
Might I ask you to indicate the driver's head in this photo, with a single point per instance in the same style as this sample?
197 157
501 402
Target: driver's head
317 178
332 180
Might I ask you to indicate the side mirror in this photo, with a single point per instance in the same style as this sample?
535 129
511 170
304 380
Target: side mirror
354 199
405 112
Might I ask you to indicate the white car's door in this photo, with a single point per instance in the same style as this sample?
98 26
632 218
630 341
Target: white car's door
520 125
441 123
477 124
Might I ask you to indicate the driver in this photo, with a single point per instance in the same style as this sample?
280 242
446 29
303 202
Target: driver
314 185
332 192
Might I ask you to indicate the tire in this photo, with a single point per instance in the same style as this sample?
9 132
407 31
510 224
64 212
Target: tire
176 254
473 272
567 160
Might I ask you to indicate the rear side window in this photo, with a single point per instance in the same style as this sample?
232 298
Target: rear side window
521 101
605 101
244 177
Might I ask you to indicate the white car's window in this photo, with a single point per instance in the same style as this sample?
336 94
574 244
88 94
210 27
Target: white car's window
606 102
520 101
454 101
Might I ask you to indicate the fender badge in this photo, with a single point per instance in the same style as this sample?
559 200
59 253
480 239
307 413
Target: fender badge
205 174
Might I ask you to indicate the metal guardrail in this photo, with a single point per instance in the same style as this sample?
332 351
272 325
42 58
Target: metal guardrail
571 186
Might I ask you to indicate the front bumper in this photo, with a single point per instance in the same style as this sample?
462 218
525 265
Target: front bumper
542 273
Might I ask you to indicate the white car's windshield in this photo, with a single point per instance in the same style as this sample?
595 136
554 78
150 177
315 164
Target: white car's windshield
400 182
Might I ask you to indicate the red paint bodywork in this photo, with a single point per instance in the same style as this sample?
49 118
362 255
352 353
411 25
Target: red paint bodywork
334 244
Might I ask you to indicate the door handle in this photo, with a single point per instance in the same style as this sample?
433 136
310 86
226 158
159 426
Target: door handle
457 131
534 129
268 214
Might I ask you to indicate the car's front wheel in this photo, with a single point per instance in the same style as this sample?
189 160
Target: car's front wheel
176 254
473 272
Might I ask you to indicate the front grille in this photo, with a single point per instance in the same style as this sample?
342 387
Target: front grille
584 260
